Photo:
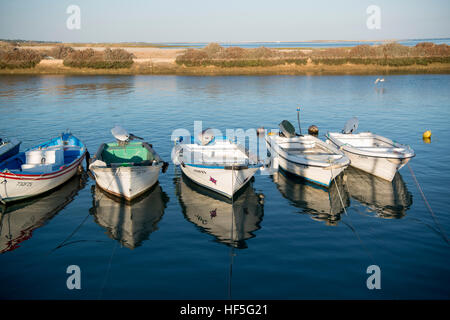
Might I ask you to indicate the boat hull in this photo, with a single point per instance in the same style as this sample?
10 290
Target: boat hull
385 168
14 187
319 174
220 179
371 153
126 182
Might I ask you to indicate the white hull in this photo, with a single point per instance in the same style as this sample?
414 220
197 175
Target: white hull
224 167
317 175
384 168
372 153
319 172
17 187
224 181
126 182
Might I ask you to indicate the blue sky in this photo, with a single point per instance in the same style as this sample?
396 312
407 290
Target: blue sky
231 20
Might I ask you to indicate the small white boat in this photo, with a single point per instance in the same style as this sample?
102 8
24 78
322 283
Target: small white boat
216 163
41 168
369 152
305 155
8 148
124 168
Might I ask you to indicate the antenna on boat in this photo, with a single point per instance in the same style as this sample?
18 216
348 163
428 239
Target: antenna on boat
298 120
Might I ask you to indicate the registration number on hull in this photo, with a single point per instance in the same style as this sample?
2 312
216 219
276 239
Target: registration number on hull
24 184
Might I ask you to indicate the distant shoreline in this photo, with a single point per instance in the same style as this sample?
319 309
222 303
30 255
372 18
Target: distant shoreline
52 67
162 61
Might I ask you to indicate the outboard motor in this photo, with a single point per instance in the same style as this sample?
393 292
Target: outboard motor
287 129
205 137
122 136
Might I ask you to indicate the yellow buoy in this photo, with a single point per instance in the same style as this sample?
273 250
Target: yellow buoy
426 140
427 134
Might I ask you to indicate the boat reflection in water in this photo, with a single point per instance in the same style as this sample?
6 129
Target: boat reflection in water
321 203
386 199
130 223
19 220
230 222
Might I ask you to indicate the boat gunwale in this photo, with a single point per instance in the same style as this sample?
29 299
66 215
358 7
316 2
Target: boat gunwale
43 176
343 161
408 154
113 166
249 158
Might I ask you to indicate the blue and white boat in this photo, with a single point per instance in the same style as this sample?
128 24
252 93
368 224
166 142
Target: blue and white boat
40 168
8 148
216 163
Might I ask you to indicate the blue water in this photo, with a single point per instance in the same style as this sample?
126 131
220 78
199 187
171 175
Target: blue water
294 240
305 44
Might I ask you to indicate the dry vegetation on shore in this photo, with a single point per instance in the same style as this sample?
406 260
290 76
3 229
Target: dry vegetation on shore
391 54
217 60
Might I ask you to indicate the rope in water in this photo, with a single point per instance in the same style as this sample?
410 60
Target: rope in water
107 271
345 210
428 204
84 220
231 234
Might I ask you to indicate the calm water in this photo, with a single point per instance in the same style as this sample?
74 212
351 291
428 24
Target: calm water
291 240
311 44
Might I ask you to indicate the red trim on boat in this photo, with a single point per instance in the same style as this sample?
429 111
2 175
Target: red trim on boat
46 176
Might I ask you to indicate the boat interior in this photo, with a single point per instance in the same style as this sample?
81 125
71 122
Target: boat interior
308 149
368 142
45 158
217 154
135 153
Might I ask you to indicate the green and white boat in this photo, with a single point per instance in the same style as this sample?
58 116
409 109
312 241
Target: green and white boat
126 168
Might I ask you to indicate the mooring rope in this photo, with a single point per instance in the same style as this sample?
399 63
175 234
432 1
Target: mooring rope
428 205
349 224
107 271
84 220
231 235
